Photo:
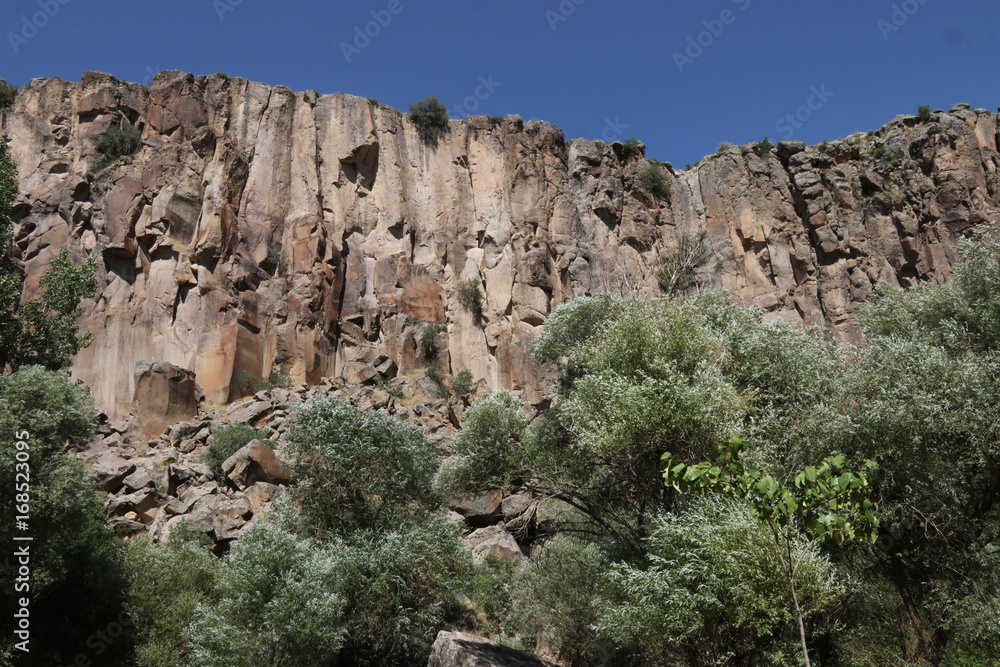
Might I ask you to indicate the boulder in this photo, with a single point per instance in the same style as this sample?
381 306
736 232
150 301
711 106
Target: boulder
262 494
111 471
458 649
480 509
164 395
255 462
493 541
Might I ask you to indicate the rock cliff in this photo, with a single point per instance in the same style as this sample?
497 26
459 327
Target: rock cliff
260 229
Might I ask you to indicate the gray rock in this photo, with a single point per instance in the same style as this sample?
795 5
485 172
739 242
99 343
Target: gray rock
458 649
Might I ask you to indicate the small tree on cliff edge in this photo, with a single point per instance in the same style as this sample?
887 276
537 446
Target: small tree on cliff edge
44 330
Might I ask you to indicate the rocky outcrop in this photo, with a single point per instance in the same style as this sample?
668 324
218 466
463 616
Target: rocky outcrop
459 649
262 230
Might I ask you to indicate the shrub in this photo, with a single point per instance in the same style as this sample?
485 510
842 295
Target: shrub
435 372
631 148
496 120
553 600
427 342
430 118
823 147
251 382
764 147
461 384
400 587
470 295
118 141
275 257
677 268
723 147
488 450
387 385
924 112
652 180
227 441
280 604
358 471
166 583
879 152
7 94
712 589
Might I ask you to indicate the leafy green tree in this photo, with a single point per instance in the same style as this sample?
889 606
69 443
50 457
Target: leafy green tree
826 501
555 600
76 567
43 331
166 583
711 589
280 604
652 180
431 119
358 471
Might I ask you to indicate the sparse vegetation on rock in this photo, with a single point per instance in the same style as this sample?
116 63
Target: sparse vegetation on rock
431 119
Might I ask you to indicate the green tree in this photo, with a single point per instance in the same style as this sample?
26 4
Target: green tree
76 568
430 118
280 604
711 589
166 583
43 331
358 471
826 501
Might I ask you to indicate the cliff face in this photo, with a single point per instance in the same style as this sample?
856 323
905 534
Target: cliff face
261 229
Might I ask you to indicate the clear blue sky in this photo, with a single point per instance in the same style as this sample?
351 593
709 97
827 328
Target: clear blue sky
604 68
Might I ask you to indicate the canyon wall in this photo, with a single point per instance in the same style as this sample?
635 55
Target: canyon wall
260 229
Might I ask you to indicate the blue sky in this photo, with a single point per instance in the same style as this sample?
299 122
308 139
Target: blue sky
681 76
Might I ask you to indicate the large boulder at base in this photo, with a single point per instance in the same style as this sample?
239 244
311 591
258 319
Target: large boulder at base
255 462
164 395
480 509
493 541
458 649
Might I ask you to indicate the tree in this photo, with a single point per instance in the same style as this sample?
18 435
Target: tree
826 501
358 471
430 118
43 331
711 589
76 577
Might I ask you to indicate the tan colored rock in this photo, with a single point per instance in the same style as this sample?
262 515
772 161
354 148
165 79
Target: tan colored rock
493 541
260 229
255 462
164 395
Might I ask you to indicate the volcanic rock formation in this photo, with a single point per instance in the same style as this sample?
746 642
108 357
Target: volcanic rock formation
259 229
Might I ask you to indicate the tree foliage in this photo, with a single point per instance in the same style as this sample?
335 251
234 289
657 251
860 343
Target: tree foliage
430 118
42 331
76 569
358 471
